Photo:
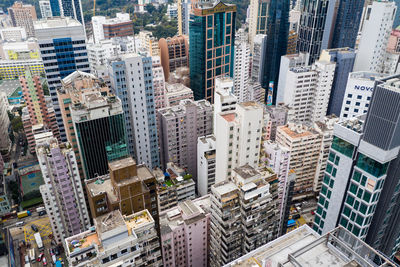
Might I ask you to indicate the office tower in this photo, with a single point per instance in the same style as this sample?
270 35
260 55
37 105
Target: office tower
211 38
277 158
45 9
5 141
358 93
185 233
238 135
132 80
241 209
304 145
288 62
106 28
99 128
184 8
344 59
307 90
277 36
73 87
316 37
275 116
175 92
347 23
257 64
374 37
13 34
62 191
206 156
174 53
325 129
158 83
179 127
39 115
224 100
173 186
53 35
23 16
304 246
67 8
292 43
258 20
138 242
241 69
361 178
129 188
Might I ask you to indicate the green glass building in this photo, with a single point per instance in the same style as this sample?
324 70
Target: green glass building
212 37
100 130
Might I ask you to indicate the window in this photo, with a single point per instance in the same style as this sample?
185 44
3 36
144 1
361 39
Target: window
356 176
353 188
346 211
363 208
363 180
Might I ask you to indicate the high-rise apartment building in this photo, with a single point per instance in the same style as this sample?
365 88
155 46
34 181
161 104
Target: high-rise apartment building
211 38
62 190
238 135
206 156
358 94
158 83
224 100
45 9
361 184
13 34
307 90
55 35
39 115
344 59
241 209
288 62
129 188
99 129
179 128
185 233
347 23
241 70
67 8
314 37
23 16
175 93
5 141
138 243
131 78
174 187
258 54
275 116
174 53
106 28
304 145
376 30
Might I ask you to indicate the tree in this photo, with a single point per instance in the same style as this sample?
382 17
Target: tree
16 124
45 88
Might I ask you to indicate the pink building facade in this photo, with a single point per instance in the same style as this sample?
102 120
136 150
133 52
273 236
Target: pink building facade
394 41
185 233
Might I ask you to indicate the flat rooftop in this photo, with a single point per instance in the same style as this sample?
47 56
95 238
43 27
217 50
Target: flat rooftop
229 117
246 171
224 187
304 247
56 22
138 219
109 221
121 163
295 133
101 185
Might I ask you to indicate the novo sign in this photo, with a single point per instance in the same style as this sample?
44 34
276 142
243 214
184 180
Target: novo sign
363 88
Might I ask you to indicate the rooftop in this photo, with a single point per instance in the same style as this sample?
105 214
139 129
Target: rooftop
55 22
295 131
138 219
229 117
109 221
224 187
246 171
304 247
82 241
121 163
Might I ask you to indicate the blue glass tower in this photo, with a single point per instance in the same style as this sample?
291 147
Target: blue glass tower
347 23
67 8
277 36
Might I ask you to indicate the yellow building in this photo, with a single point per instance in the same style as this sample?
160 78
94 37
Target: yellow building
12 69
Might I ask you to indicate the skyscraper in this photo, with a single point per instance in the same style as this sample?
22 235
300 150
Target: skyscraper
314 37
211 38
377 27
361 186
132 80
241 66
67 8
258 19
23 16
45 9
5 141
62 43
183 17
347 23
277 36
99 126
62 191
